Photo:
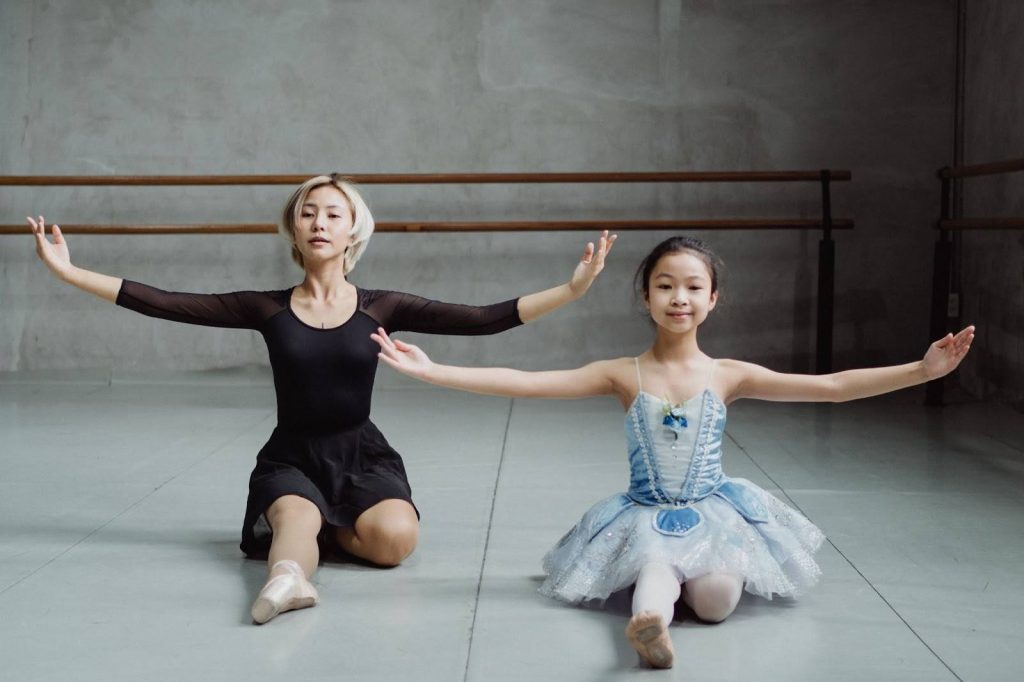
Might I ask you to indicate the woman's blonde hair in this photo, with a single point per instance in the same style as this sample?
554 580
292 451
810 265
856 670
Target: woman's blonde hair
362 221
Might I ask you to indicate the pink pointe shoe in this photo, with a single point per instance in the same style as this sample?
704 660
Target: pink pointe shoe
649 637
284 592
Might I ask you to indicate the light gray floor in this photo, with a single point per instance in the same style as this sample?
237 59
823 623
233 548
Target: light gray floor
121 501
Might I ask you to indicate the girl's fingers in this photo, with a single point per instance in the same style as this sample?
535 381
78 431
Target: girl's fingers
588 252
58 236
387 360
386 347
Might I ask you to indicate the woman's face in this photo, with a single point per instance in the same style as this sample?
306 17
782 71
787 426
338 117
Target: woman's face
324 228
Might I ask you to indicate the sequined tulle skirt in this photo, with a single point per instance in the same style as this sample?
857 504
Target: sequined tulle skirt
605 551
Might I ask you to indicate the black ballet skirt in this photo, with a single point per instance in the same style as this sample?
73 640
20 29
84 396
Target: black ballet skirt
324 447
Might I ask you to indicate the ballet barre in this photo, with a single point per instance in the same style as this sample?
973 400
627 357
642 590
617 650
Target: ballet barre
946 302
824 178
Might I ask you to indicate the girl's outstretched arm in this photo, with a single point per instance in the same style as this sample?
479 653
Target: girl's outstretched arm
532 306
58 259
753 381
590 380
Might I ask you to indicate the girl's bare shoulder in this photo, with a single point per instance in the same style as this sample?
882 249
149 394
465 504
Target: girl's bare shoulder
621 373
729 377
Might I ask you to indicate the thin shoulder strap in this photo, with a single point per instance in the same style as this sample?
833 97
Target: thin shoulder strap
711 373
639 384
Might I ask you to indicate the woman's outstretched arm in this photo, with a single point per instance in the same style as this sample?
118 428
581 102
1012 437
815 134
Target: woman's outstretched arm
241 310
590 380
57 258
532 306
397 311
753 381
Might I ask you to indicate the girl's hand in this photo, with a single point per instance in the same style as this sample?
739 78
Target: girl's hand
591 264
55 255
944 355
405 357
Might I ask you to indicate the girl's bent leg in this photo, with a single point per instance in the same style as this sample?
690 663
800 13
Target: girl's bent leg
654 598
384 534
293 557
713 597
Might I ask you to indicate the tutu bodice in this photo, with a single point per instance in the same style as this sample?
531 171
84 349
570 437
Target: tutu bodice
674 464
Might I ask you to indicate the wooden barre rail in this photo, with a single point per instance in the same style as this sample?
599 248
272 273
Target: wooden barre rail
490 226
994 168
824 178
422 178
975 224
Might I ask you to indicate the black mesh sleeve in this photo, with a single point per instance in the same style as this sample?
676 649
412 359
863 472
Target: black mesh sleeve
240 310
396 311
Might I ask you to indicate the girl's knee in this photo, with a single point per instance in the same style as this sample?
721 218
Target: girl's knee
714 597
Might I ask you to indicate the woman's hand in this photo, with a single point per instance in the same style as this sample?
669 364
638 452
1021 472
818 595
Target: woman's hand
55 255
945 355
591 264
405 357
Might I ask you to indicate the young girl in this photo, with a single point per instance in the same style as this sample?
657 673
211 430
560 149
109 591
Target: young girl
683 527
326 474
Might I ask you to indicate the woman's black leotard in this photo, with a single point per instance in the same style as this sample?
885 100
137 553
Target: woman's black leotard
324 448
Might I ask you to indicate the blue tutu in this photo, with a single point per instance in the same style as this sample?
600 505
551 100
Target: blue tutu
682 511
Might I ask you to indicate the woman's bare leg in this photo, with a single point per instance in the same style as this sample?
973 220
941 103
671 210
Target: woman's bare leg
384 534
296 522
293 558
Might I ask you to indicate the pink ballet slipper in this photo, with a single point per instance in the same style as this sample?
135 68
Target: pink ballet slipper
648 635
287 591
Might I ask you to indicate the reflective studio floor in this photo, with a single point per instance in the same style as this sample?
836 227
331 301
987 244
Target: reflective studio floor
121 502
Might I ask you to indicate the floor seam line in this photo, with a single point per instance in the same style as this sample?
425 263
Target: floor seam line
848 561
487 539
121 513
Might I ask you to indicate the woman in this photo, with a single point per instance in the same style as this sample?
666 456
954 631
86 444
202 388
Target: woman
326 475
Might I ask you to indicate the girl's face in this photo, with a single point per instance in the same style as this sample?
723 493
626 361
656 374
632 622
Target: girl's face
679 295
323 230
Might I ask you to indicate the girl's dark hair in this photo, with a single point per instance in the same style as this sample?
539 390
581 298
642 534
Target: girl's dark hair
642 279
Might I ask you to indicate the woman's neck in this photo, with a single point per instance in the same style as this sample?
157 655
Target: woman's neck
325 282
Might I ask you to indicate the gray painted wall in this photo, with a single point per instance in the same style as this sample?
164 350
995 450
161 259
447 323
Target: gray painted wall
446 85
993 262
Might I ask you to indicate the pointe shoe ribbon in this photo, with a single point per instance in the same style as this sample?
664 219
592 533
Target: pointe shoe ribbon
286 591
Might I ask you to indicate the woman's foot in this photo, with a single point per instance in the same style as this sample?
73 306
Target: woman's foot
286 590
649 636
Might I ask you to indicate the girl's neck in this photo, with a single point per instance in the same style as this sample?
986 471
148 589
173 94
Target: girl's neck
675 347
326 281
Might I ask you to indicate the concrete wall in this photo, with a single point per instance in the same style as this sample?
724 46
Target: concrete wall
176 86
993 262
